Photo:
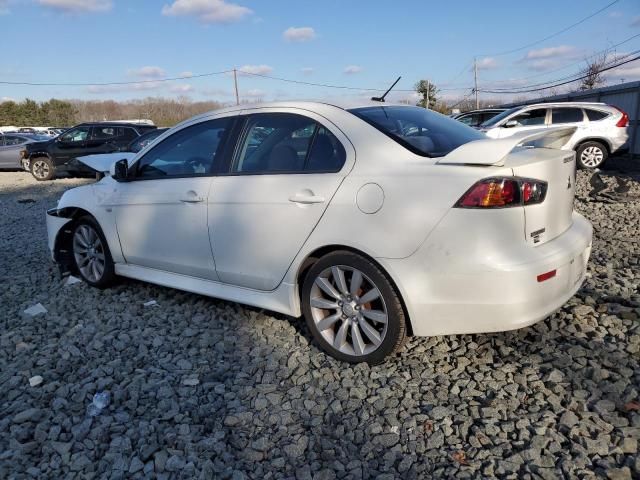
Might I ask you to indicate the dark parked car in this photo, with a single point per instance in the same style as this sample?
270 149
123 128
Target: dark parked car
10 146
474 118
45 159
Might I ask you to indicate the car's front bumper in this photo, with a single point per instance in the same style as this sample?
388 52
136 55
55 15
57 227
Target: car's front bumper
55 222
498 297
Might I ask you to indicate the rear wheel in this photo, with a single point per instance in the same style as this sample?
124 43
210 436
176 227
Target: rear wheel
91 254
591 155
352 309
42 169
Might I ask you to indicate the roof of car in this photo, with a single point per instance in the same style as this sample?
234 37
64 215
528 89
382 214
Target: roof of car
481 110
115 124
564 104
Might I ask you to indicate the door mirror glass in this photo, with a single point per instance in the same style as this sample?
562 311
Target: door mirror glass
120 170
511 124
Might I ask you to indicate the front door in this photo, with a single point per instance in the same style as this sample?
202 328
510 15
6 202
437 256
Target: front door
161 215
526 121
285 170
10 146
70 144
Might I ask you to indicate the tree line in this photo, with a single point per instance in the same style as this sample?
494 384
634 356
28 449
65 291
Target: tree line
65 113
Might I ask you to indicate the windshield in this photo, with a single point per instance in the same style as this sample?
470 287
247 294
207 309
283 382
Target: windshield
422 131
492 122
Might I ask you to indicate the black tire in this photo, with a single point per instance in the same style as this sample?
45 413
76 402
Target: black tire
108 274
391 337
590 155
42 169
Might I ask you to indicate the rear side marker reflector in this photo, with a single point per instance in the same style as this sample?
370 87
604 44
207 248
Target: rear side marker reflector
546 276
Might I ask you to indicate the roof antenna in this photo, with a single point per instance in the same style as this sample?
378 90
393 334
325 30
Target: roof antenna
381 99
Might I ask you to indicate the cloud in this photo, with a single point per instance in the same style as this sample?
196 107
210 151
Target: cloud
4 7
130 87
487 63
207 11
186 74
352 69
216 92
181 88
253 93
635 22
7 99
78 6
256 69
299 34
307 70
147 73
628 73
551 52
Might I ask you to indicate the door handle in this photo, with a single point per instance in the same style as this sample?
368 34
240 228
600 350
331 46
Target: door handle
306 199
191 197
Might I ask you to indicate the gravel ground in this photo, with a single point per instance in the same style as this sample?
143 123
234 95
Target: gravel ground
201 388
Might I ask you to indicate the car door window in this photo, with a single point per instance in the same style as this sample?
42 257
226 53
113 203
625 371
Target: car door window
275 143
75 135
327 153
595 115
566 115
127 134
531 117
104 133
13 140
467 120
191 151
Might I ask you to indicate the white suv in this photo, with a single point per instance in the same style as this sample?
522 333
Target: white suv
602 128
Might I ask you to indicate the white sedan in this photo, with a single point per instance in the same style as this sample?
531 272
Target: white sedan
375 222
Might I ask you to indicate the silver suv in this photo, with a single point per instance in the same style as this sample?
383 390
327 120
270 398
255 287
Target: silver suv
602 128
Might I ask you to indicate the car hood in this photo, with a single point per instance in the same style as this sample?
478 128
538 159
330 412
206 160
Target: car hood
31 146
102 162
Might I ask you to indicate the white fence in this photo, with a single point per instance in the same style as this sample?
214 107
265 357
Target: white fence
625 96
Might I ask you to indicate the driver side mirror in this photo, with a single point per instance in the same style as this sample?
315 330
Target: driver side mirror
120 170
511 124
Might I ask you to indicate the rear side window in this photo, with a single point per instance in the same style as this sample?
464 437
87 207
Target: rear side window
287 143
421 131
566 115
595 115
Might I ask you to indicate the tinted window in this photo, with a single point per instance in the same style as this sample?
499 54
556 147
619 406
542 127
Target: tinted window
144 140
104 133
190 151
127 134
327 153
12 140
79 134
566 115
501 116
595 115
275 142
422 131
532 117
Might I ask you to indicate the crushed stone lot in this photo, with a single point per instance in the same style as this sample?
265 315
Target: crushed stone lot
202 388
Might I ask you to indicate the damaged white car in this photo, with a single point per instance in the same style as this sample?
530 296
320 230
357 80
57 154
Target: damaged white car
374 222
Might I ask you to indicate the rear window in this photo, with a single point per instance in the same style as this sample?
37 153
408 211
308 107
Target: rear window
419 130
595 115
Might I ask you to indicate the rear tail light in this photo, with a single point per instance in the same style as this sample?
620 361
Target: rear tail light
502 192
624 120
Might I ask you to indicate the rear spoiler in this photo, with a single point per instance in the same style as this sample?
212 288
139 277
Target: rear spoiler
494 151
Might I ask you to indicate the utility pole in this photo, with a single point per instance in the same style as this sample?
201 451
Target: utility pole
235 82
426 105
475 80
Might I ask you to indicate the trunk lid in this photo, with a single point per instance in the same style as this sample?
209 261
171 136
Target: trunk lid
552 217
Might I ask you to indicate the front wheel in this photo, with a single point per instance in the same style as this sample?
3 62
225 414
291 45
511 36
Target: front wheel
42 169
591 155
91 254
352 309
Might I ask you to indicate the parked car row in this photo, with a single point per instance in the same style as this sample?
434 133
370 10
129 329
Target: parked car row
601 129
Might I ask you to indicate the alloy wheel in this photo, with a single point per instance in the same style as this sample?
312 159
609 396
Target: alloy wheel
592 157
40 169
348 310
89 253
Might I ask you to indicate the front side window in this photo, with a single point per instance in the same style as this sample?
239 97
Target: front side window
566 115
190 151
531 117
12 140
421 131
75 135
287 143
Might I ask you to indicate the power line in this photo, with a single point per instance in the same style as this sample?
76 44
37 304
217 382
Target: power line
553 35
101 84
618 64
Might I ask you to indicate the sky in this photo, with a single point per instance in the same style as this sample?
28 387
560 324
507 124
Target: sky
354 43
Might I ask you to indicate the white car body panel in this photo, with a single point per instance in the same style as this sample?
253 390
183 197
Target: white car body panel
457 270
102 162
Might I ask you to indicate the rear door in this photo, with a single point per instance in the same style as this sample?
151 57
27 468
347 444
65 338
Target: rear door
284 172
569 117
103 139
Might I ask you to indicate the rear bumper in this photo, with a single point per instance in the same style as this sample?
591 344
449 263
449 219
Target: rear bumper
507 296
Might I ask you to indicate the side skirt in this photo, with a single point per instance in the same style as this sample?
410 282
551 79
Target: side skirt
283 299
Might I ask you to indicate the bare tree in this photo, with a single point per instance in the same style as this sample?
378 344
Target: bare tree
592 73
